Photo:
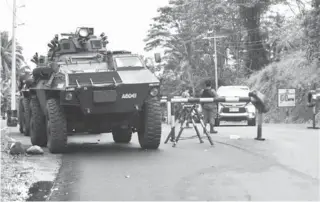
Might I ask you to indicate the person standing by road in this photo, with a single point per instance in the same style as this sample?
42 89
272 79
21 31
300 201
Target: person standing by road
209 109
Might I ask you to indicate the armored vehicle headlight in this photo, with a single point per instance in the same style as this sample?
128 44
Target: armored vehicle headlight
154 92
83 32
69 96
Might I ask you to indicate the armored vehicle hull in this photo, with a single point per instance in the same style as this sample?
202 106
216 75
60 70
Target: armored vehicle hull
94 91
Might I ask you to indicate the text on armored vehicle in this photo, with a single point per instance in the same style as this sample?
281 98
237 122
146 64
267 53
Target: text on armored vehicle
129 95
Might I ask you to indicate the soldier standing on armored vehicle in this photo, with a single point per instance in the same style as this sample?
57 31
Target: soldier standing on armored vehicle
84 88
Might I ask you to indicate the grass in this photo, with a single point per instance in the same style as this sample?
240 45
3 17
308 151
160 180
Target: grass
292 71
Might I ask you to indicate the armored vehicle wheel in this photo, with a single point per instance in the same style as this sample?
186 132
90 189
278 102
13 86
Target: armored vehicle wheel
20 113
37 124
149 133
56 127
26 116
121 135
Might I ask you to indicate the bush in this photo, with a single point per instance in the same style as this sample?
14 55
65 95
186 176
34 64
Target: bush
293 71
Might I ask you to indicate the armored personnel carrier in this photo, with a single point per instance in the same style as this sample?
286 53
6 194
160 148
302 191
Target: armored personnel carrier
84 88
25 82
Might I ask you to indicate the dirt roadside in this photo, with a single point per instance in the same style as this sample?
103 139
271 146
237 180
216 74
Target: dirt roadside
26 178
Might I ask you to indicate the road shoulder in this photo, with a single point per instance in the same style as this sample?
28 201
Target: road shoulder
26 178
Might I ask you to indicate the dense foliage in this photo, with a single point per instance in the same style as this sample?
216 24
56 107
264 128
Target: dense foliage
6 63
312 29
254 37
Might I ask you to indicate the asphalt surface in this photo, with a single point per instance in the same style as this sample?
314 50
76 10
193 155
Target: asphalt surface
284 167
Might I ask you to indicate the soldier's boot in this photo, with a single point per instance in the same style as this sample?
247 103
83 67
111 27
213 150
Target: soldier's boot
212 129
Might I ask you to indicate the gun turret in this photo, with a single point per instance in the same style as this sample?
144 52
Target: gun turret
83 40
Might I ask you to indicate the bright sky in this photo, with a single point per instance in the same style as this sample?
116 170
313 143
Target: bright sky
125 22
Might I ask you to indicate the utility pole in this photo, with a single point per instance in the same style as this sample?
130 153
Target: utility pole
1 58
12 114
13 65
215 58
216 63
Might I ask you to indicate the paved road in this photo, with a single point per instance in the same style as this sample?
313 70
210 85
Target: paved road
284 167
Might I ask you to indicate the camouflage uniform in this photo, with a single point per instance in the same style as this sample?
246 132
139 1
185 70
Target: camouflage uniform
209 110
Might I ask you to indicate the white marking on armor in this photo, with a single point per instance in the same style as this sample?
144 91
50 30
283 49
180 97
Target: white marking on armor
60 85
129 95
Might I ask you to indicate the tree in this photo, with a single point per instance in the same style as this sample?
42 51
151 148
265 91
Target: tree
180 28
6 54
252 40
311 26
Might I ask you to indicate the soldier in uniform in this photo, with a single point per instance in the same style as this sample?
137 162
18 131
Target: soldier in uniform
209 109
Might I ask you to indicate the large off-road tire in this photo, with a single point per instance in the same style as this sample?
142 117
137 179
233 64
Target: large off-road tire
149 132
121 135
56 127
20 113
26 116
37 124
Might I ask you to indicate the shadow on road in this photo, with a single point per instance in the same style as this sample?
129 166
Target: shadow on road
109 148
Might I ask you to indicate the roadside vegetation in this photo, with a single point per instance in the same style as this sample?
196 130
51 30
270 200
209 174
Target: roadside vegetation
16 174
6 62
262 48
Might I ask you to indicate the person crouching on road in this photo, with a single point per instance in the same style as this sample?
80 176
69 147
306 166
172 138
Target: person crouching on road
209 109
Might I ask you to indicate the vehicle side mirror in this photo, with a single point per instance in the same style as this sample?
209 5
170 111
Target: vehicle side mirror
157 57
